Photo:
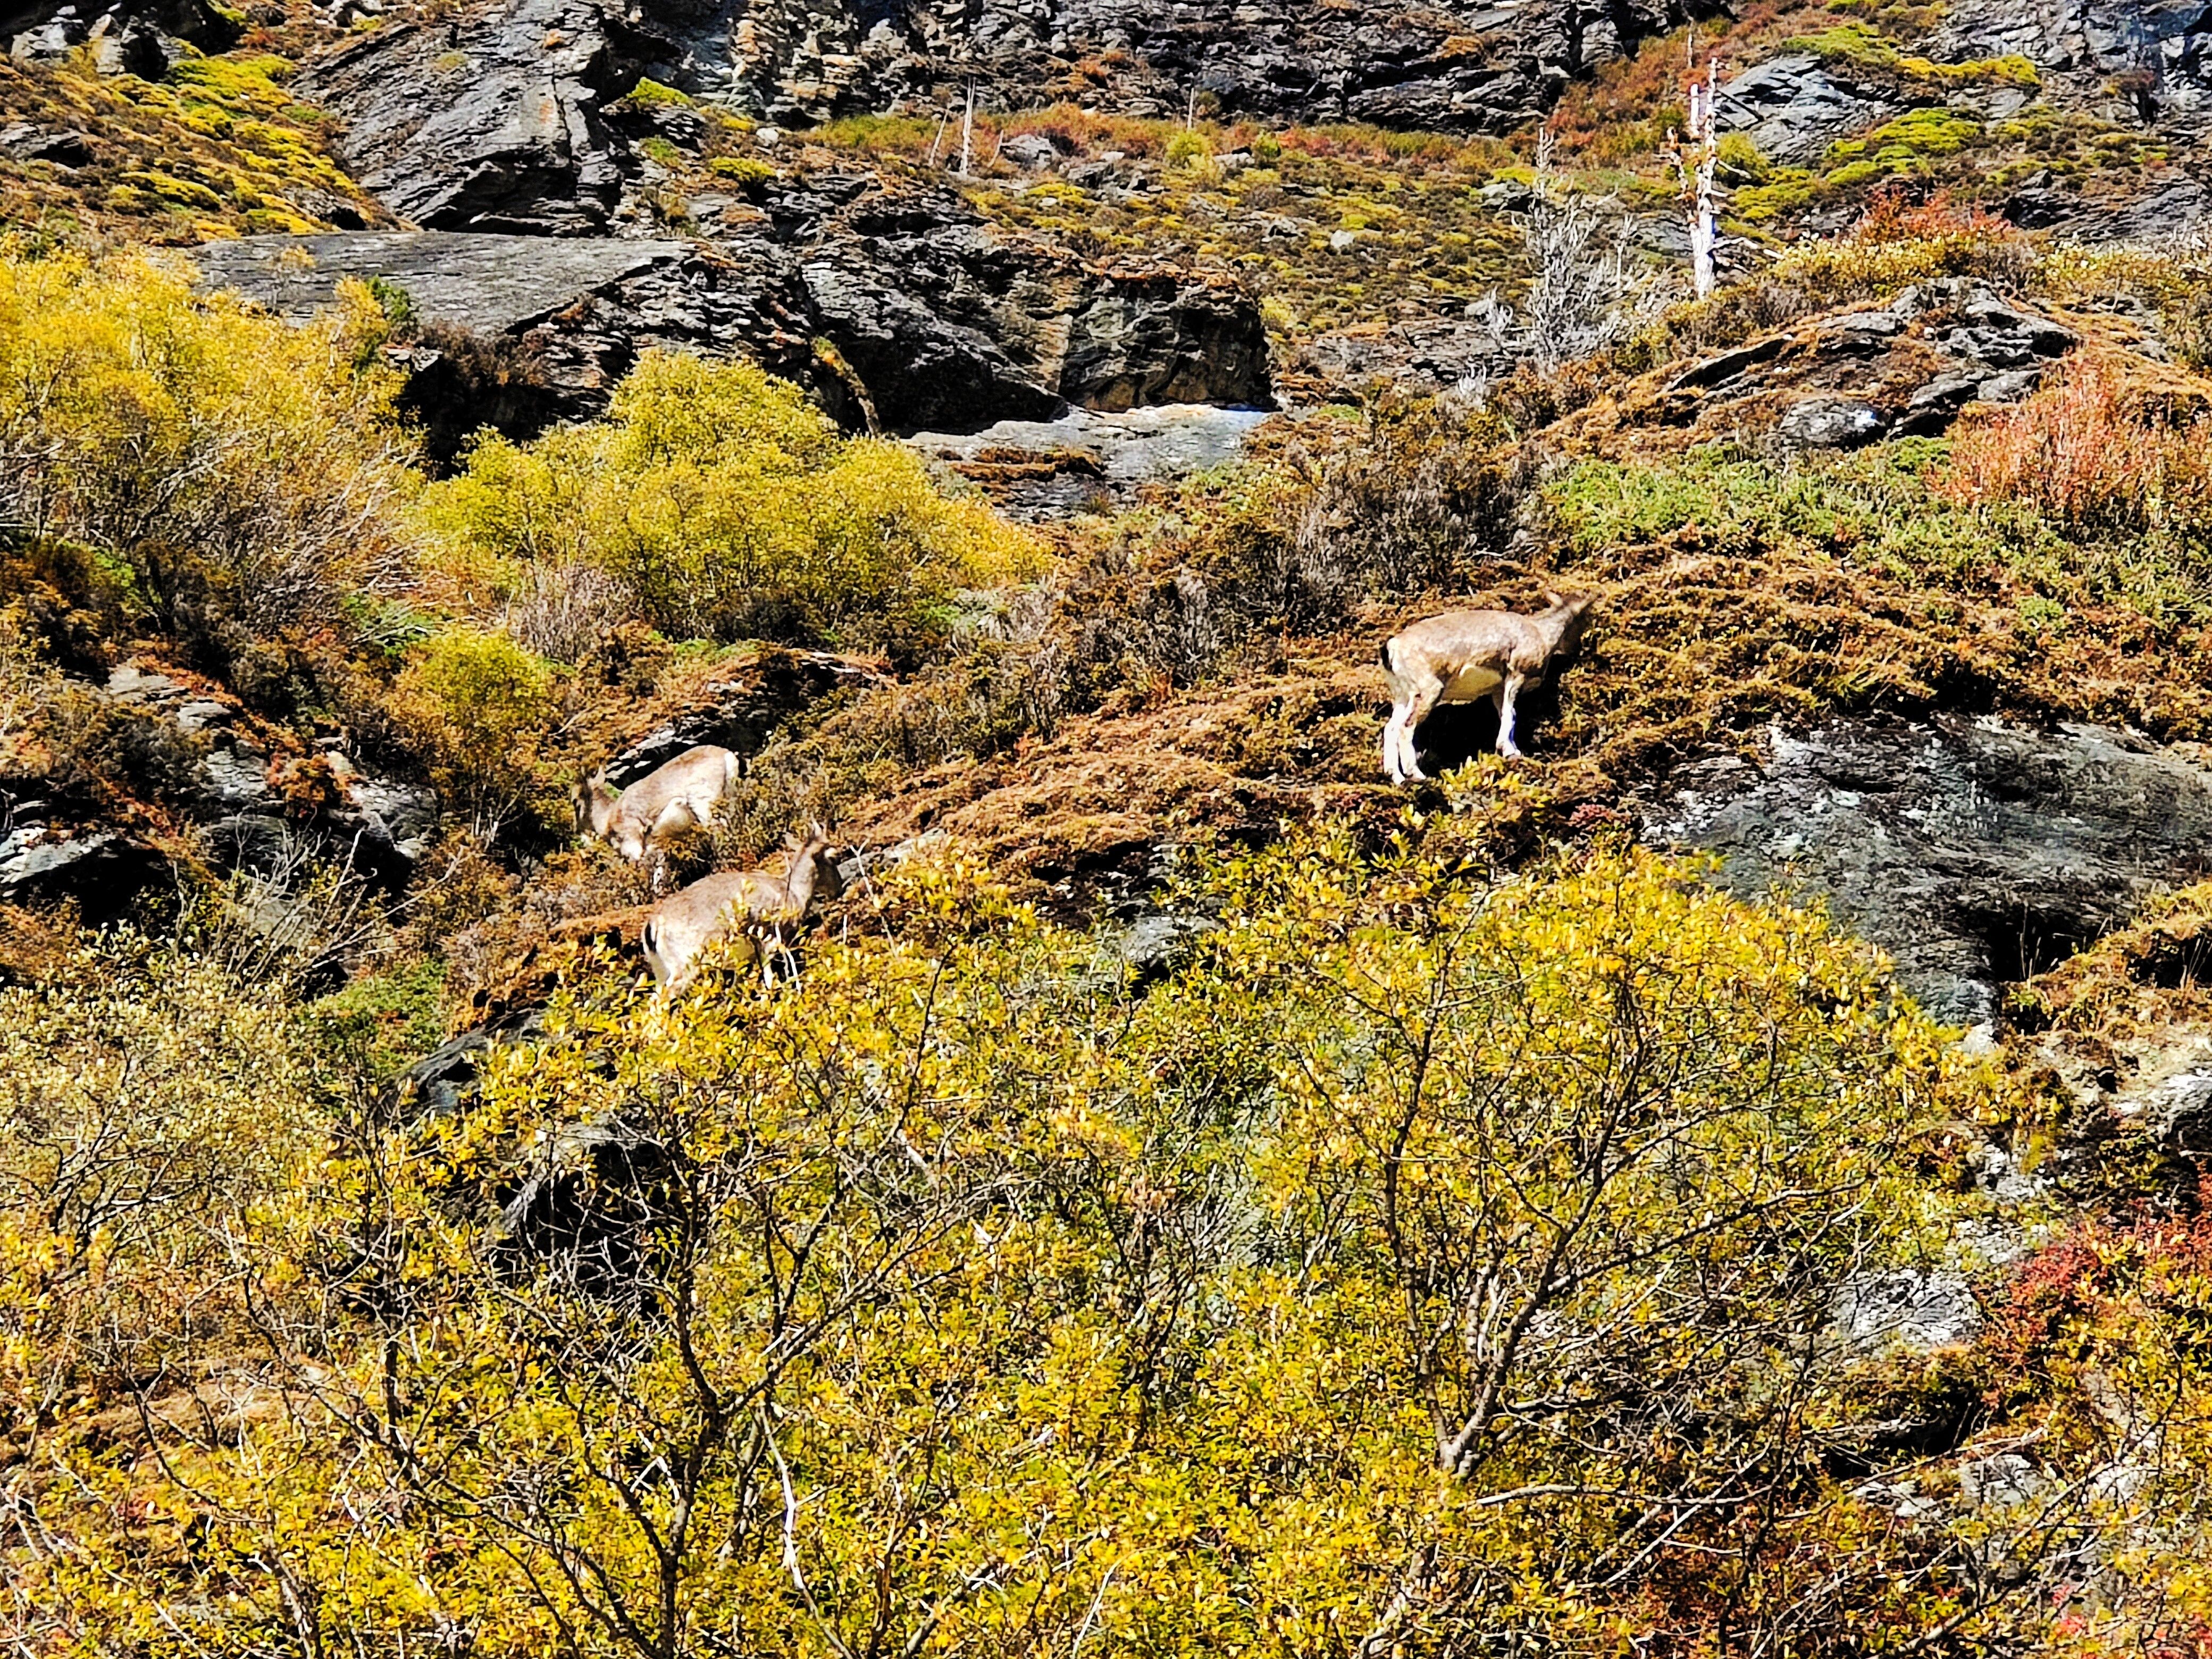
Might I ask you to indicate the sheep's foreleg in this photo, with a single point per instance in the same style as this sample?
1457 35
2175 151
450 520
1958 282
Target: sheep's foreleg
1422 704
1508 688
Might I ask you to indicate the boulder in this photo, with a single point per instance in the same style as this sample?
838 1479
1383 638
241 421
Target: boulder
1163 337
2175 206
521 330
584 1208
1793 107
921 369
1030 151
1919 1310
1976 853
1151 948
952 327
1906 366
1830 423
144 38
387 826
741 708
104 872
64 147
1047 470
444 1080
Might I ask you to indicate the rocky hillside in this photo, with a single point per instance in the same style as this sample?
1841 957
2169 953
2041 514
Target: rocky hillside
1731 1180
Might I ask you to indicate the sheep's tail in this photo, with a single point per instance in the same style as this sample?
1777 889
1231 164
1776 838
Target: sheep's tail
1382 656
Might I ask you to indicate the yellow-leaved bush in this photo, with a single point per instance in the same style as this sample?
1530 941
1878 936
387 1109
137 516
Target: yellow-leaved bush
235 470
730 509
150 1108
1421 1263
477 707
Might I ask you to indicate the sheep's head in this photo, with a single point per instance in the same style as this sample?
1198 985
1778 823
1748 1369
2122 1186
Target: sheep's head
591 799
1572 612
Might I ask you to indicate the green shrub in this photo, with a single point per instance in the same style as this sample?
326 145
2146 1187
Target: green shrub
648 92
744 171
378 1025
1189 151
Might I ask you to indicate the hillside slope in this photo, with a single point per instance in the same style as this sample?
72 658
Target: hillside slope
1731 1180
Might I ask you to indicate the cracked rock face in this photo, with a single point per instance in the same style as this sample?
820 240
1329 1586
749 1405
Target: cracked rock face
1793 108
492 125
946 327
497 118
1457 65
1906 367
1975 853
2170 45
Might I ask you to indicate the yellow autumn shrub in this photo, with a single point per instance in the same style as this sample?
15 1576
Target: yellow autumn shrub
478 707
730 509
233 470
1423 1264
149 1106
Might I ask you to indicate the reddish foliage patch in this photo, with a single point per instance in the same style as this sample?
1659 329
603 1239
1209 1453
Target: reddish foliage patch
2087 450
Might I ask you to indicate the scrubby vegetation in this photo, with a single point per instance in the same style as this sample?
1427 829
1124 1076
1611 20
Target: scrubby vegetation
227 477
218 147
1456 1242
724 508
970 1297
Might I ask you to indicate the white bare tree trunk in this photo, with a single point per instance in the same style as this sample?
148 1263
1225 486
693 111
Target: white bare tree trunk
1695 157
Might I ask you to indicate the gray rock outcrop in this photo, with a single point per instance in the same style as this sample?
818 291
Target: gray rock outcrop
1906 366
497 118
1793 107
2158 55
1043 470
104 872
1975 853
573 313
144 38
945 326
492 122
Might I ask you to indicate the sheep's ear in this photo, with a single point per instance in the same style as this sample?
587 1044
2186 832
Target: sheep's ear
1553 599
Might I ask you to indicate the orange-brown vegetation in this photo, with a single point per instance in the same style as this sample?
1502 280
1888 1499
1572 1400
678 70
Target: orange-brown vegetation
2101 445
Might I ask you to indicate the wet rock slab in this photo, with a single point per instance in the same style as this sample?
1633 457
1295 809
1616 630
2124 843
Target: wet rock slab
1042 469
1976 853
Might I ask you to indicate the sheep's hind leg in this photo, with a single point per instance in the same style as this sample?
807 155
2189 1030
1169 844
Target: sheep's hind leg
1392 768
